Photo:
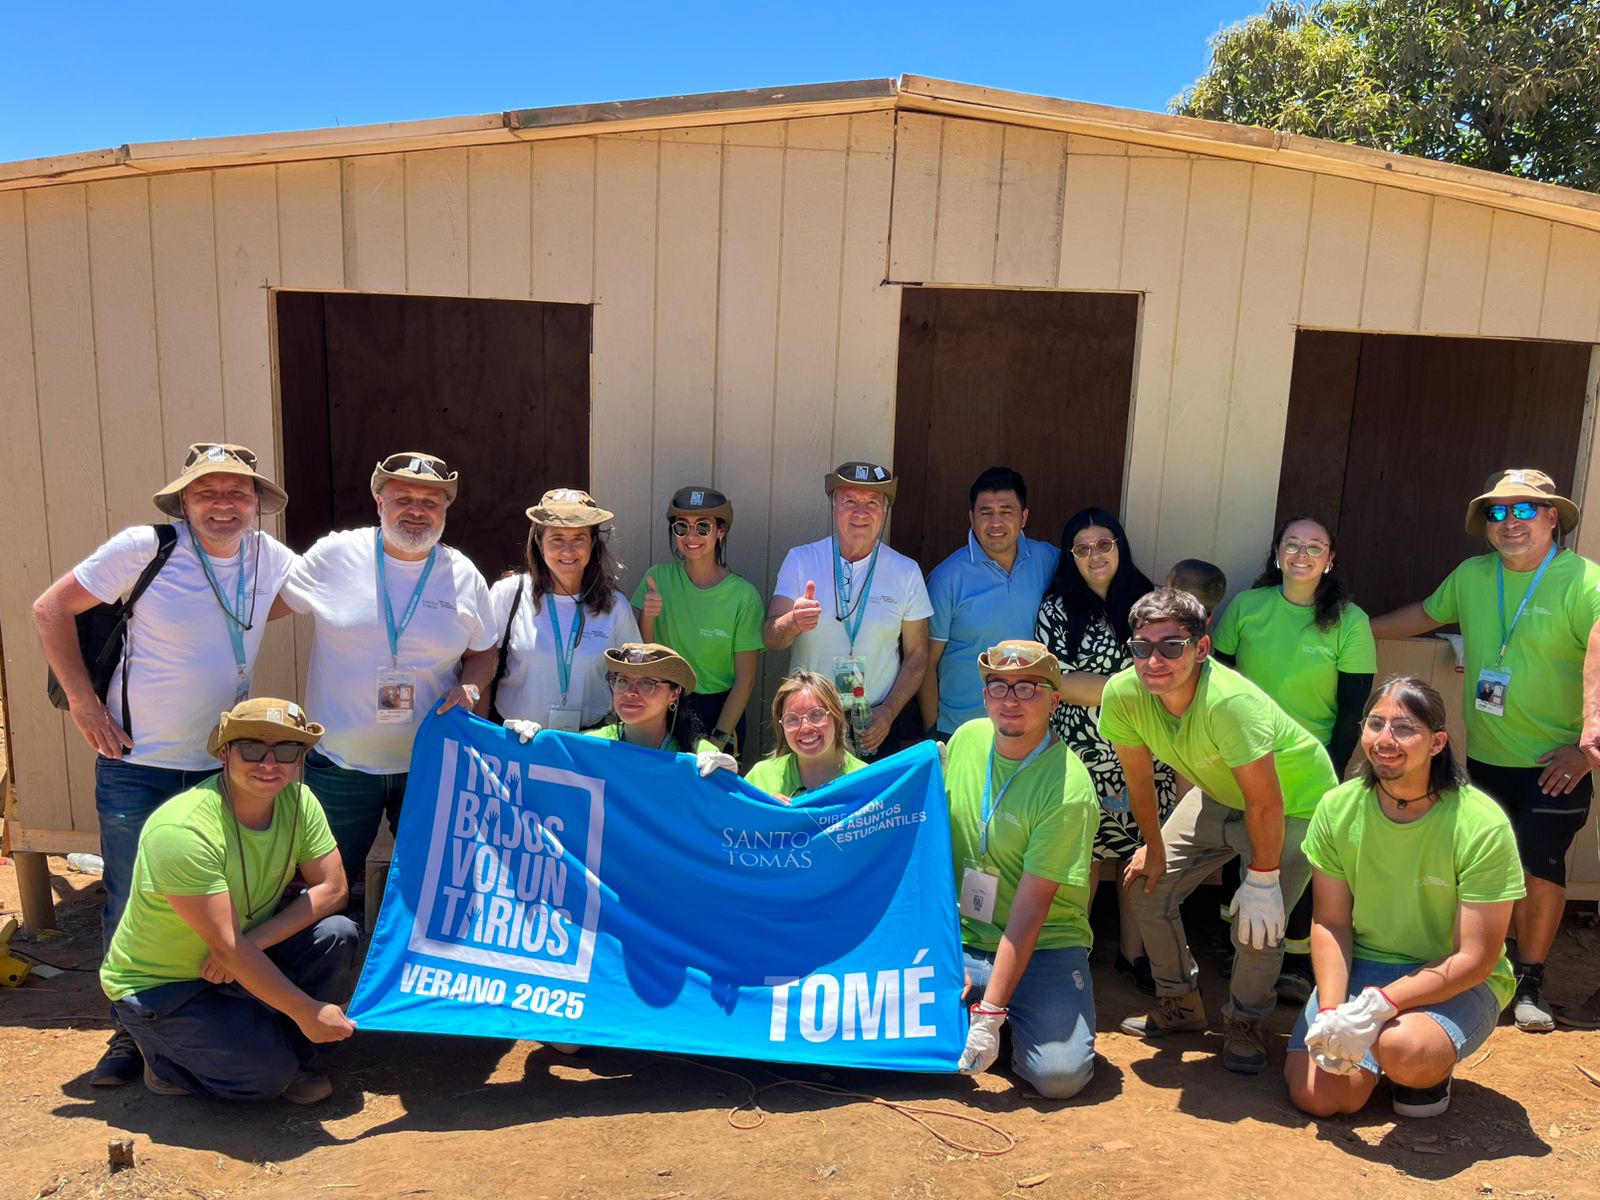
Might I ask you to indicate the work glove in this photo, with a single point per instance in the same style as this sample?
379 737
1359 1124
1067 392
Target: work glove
983 1040
1353 1026
1258 909
1317 1045
708 761
523 729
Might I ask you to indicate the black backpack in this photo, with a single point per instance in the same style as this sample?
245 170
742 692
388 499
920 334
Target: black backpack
102 630
505 651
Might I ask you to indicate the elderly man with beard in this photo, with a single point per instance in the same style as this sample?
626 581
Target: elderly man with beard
402 624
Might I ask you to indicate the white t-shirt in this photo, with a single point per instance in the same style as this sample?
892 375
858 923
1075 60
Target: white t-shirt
532 683
179 655
898 594
336 582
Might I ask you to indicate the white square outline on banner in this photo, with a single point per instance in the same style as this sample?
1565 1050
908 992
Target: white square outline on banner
421 943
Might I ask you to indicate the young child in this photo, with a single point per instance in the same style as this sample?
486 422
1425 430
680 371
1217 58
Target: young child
1202 580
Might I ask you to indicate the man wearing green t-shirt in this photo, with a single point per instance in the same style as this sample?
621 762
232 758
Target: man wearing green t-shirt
1023 816
1415 874
1258 777
1525 613
225 988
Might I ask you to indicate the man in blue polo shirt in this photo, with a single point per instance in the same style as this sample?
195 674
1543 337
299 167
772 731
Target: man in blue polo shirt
984 593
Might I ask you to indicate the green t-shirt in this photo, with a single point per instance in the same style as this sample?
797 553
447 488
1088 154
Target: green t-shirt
708 626
1230 723
1544 700
613 733
1278 647
189 847
1044 824
1408 881
780 776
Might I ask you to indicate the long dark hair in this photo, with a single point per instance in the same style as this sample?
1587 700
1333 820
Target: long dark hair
1420 700
600 573
1082 606
684 726
1332 592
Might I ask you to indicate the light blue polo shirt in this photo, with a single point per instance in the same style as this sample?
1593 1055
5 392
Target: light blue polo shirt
977 605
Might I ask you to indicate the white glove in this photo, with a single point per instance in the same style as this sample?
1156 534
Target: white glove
1350 1029
523 729
1258 907
1317 1044
708 761
983 1040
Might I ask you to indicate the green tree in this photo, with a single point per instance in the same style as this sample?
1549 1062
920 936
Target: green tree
1507 85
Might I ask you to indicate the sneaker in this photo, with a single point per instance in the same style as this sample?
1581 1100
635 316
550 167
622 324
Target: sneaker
1422 1102
1172 1014
157 1086
1581 1016
120 1064
1528 1007
308 1087
1293 988
1243 1051
1137 973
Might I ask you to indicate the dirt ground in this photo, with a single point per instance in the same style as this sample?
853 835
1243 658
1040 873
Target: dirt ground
462 1117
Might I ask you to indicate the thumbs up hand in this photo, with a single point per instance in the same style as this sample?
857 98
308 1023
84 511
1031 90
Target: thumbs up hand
652 599
806 611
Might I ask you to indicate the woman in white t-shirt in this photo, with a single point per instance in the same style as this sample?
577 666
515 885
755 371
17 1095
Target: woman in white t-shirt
559 618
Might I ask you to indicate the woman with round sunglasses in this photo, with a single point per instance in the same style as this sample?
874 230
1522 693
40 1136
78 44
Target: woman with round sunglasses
710 615
812 749
1296 635
1083 619
648 683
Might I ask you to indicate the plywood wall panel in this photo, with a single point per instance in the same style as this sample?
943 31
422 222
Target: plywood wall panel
1513 287
188 340
311 224
1397 260
915 207
1094 210
436 222
969 202
1336 253
1032 175
563 220
869 308
245 201
1458 260
375 223
1571 306
500 221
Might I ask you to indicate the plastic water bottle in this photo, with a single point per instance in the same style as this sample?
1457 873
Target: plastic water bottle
860 719
88 864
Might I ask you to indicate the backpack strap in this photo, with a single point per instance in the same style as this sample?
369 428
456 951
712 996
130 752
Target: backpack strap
166 540
505 644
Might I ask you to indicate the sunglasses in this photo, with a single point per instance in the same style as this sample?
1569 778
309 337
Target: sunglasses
702 528
253 751
627 683
1169 648
1291 547
1085 549
1522 510
817 716
1022 689
416 466
216 452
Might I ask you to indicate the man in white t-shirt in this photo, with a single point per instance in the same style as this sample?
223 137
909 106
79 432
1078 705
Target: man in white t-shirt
189 653
402 625
856 611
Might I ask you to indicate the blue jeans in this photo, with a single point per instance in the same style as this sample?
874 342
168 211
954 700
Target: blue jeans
353 802
125 794
1052 1018
1467 1019
218 1040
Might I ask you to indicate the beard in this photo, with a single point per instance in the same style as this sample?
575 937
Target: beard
404 539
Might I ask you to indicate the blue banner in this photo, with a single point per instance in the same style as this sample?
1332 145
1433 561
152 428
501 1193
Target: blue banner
572 889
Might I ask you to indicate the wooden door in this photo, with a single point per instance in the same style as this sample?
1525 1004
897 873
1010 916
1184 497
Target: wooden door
497 388
1389 436
1037 381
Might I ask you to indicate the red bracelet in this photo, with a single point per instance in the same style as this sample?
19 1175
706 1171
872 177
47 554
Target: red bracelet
1326 1008
988 1010
1386 999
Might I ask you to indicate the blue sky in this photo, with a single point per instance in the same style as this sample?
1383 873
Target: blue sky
90 75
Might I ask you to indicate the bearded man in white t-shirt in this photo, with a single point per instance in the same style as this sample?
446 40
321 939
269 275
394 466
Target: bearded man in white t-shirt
189 652
402 625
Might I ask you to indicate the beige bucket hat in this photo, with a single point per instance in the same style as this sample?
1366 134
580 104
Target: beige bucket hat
861 475
413 466
1516 483
568 508
649 660
267 719
1017 658
219 458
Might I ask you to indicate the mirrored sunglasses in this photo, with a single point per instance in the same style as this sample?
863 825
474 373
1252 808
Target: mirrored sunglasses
702 528
416 465
1522 510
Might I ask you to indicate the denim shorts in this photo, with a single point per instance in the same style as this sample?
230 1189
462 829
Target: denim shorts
1468 1019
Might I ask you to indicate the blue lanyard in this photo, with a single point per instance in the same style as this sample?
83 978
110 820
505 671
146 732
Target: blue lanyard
566 651
992 807
857 612
235 615
1500 582
396 631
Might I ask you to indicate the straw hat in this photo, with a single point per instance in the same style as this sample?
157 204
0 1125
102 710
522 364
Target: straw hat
267 719
413 466
648 660
866 475
219 458
1518 483
1018 658
697 501
568 508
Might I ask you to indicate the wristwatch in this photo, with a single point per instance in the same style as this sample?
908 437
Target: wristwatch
722 738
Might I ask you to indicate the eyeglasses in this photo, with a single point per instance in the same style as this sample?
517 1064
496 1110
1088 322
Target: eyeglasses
1085 549
253 751
1022 689
627 683
702 528
1402 731
1522 510
216 452
817 716
417 465
1169 648
1293 546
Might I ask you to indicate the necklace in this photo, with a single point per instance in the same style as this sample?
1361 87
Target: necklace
1401 804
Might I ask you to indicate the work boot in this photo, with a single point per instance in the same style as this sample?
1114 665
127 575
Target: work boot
157 1086
1137 972
1243 1051
1528 1007
1293 988
120 1064
1172 1014
308 1087
1581 1016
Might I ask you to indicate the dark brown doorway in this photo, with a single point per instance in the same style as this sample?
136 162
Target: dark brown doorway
1036 381
1390 435
498 388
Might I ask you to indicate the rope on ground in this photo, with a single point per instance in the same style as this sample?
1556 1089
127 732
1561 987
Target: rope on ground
912 1112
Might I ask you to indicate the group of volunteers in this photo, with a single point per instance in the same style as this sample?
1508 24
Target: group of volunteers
1071 694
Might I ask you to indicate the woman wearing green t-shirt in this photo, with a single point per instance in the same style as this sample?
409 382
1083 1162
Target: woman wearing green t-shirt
705 612
648 683
810 722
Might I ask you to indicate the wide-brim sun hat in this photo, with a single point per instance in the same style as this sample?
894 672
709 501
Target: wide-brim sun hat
1015 658
1520 483
650 660
696 501
266 720
866 475
568 508
414 466
219 458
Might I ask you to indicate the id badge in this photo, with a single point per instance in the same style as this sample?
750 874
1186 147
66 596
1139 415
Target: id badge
564 720
1491 691
978 891
397 697
850 677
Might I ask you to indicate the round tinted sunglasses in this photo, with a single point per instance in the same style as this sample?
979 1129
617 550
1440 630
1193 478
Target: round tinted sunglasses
1085 549
701 528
